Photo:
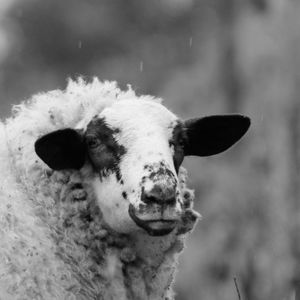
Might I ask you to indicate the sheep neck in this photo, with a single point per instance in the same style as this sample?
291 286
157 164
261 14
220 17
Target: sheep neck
141 266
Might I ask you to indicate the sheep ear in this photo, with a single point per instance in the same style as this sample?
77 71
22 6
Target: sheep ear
214 134
62 149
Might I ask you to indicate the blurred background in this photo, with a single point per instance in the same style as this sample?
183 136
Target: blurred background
203 57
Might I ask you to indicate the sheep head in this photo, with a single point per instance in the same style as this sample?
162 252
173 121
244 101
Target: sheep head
135 149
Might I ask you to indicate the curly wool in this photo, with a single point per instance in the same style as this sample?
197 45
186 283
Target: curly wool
54 241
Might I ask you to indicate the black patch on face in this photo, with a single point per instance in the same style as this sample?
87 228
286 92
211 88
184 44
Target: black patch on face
103 150
177 141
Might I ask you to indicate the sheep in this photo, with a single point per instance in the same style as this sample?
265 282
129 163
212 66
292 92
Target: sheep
93 198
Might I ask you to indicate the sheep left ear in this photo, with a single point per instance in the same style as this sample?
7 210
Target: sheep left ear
214 134
62 149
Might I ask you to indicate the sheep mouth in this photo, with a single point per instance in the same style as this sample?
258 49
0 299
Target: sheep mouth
154 227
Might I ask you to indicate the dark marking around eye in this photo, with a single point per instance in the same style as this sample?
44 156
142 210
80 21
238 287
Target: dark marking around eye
177 141
104 151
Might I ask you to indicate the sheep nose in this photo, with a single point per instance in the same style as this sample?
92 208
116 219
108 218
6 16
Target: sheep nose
160 194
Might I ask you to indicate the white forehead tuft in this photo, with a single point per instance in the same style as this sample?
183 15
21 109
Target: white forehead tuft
142 114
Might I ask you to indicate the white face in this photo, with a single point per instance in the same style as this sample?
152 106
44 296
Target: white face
131 146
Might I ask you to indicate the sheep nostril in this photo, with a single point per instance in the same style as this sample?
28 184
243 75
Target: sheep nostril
151 199
159 193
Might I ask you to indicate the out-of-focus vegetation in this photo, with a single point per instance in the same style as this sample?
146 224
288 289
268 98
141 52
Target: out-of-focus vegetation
203 57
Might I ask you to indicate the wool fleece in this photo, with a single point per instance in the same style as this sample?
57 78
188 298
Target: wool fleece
55 241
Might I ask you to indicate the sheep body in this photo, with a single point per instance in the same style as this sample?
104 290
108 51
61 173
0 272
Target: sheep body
54 241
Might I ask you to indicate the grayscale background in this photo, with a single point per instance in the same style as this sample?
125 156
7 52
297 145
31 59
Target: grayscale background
203 57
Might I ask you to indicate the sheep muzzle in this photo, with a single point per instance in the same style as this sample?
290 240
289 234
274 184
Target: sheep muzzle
154 226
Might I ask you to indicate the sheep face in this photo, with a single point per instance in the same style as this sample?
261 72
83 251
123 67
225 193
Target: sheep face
135 149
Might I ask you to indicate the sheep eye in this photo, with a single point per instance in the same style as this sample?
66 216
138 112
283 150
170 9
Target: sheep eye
93 142
181 143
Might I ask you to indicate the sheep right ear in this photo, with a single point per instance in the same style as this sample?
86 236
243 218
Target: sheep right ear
62 149
214 134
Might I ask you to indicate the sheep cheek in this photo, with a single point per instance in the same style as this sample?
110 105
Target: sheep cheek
112 204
